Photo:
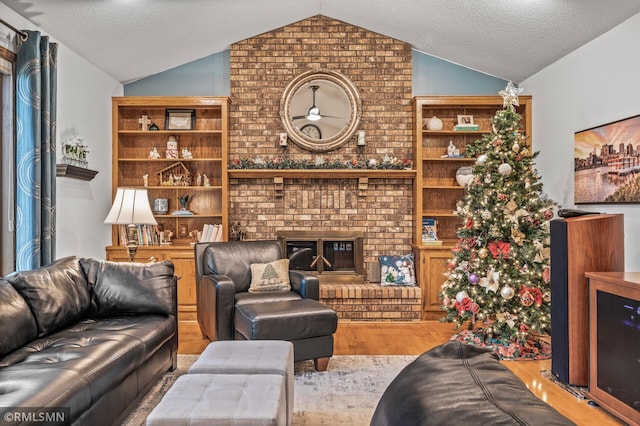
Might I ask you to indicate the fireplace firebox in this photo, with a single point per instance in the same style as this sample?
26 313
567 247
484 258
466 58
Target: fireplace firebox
335 256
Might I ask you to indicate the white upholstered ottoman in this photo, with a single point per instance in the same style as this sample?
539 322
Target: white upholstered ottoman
250 357
223 399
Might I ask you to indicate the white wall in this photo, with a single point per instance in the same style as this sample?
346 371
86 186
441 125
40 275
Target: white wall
594 85
84 108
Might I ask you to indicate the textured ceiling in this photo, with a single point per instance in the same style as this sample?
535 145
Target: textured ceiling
510 39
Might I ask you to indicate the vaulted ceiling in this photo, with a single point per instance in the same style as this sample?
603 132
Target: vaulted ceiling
509 39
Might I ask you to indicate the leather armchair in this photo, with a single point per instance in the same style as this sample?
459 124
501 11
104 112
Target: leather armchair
223 276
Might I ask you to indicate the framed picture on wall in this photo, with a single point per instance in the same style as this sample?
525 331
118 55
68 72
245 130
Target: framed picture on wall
607 163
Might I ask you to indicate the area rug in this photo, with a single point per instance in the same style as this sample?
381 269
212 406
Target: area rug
531 349
347 393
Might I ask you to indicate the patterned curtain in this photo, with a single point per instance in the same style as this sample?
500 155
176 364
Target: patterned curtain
35 151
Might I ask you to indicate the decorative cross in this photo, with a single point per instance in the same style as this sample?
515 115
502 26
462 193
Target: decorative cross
144 122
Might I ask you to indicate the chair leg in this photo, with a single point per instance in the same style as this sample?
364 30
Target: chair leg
321 364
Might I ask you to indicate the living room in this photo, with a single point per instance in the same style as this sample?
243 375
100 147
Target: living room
587 87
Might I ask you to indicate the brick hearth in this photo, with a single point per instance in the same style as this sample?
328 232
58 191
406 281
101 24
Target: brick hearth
373 302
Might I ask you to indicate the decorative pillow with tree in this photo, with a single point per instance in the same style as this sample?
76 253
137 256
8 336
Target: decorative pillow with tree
397 270
272 276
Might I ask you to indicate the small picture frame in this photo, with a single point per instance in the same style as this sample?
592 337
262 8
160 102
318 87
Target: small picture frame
465 120
180 119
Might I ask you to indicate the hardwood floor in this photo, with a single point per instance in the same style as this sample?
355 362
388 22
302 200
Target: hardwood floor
415 338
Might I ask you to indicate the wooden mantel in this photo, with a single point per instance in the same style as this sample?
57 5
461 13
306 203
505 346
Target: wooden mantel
320 174
278 176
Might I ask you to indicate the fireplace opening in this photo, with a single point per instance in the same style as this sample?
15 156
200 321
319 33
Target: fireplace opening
335 256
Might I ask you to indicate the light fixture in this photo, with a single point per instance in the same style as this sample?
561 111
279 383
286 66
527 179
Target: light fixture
130 208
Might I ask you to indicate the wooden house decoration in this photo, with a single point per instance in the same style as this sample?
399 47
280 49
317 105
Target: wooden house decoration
176 174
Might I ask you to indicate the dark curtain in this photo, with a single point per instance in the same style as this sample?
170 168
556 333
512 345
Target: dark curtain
35 151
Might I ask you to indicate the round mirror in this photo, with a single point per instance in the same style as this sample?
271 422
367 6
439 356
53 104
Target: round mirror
320 110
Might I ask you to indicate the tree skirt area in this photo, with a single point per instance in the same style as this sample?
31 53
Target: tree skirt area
347 393
531 349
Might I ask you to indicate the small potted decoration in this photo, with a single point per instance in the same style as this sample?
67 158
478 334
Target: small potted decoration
183 200
74 151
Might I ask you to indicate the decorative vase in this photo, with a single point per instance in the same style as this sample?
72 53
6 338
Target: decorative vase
464 175
434 123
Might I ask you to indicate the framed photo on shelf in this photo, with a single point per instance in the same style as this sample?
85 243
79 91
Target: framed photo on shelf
607 162
180 119
465 119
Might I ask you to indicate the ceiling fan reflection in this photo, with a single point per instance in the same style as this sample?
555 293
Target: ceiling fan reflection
314 112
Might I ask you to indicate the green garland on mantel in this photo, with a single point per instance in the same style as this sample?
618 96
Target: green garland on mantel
279 163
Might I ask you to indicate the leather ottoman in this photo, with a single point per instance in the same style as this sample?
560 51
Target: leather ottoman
307 322
463 385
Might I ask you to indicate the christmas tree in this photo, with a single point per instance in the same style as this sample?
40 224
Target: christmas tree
499 274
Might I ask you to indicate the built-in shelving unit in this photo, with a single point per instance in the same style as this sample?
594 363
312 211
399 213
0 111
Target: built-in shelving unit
436 191
202 175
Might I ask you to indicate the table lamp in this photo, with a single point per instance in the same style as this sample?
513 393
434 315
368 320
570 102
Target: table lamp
130 208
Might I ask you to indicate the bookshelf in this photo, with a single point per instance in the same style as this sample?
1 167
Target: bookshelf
143 156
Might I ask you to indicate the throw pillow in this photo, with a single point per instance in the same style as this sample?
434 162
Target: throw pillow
397 270
270 276
57 294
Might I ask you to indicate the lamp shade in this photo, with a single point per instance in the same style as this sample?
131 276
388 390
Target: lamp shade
131 206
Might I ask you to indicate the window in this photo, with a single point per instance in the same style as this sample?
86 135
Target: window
7 174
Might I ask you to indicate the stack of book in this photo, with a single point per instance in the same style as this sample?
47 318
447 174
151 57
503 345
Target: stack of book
430 232
465 127
211 233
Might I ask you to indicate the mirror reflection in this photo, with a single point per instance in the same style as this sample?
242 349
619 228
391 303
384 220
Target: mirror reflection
320 110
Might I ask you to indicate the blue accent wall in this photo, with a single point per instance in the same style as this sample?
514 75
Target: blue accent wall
209 76
435 76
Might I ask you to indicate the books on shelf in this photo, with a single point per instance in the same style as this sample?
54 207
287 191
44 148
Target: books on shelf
465 127
146 235
211 233
430 231
181 213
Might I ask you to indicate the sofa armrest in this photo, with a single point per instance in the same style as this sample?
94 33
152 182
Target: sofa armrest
305 284
215 302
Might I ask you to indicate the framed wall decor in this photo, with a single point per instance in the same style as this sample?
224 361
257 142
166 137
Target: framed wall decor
607 163
180 119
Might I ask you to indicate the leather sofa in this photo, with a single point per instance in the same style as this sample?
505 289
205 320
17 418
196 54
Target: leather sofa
85 339
463 385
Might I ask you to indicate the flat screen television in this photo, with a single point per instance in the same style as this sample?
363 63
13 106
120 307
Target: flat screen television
614 363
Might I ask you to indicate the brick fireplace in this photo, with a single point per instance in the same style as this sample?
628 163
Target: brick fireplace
380 67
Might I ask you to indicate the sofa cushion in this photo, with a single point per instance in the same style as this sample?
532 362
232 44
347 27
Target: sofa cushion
15 311
77 366
272 276
57 293
130 288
